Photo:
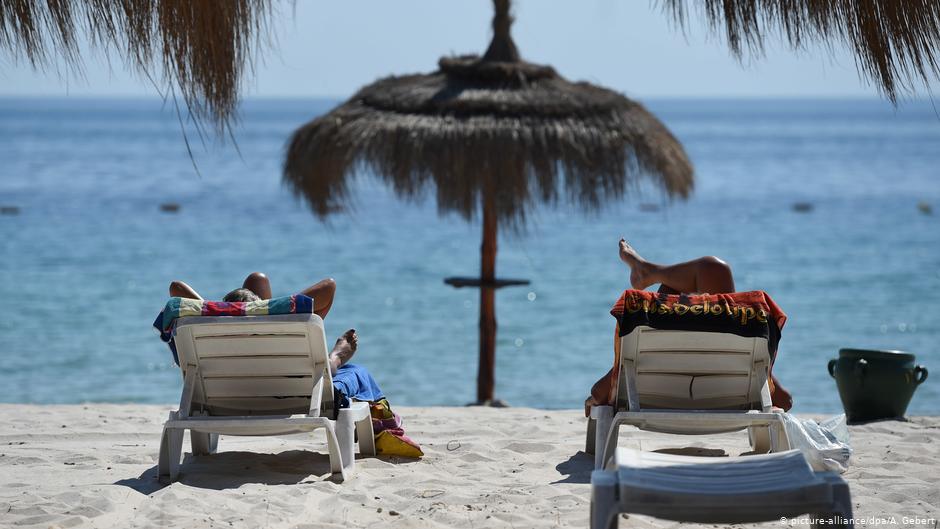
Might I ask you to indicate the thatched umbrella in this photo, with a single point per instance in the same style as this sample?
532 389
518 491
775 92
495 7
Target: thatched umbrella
491 136
896 43
205 47
201 48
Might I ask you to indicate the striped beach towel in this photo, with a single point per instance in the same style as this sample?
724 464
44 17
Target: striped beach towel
184 307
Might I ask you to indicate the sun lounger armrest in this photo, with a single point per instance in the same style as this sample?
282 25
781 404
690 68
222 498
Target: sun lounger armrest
633 396
316 397
765 400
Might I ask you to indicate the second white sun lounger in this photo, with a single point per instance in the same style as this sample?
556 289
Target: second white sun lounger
689 382
718 490
259 375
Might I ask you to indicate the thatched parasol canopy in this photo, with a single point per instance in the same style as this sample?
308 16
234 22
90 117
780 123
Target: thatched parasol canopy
513 131
488 135
202 48
895 42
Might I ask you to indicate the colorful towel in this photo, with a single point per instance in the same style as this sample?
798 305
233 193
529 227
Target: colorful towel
390 438
750 314
183 307
352 381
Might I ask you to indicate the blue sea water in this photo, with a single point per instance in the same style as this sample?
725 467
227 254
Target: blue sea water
86 262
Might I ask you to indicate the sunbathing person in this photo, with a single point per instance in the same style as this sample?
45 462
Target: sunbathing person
350 381
699 276
257 286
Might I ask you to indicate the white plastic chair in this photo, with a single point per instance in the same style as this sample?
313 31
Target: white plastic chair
259 375
718 490
689 382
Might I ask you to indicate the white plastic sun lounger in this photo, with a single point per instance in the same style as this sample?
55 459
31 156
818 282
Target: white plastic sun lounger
689 382
717 490
259 375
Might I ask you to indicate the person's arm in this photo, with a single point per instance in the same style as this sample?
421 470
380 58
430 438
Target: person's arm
178 289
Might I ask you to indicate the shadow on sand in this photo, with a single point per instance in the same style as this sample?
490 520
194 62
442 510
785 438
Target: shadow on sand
875 421
577 468
696 451
230 470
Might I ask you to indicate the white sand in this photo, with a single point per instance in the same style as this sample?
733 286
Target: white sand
94 466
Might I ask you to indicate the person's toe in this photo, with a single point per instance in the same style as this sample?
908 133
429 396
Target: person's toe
351 337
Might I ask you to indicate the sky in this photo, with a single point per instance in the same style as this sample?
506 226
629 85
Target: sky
329 49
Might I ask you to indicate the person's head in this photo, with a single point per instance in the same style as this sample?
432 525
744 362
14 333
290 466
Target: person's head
241 294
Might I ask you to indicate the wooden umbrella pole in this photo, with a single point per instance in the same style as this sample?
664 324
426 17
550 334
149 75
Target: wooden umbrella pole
500 49
487 368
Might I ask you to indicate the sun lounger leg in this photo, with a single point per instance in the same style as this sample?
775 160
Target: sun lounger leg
344 434
604 505
602 416
336 458
171 448
366 436
203 443
841 513
590 442
759 437
782 441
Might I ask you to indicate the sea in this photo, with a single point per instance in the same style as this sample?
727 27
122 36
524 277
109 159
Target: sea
831 206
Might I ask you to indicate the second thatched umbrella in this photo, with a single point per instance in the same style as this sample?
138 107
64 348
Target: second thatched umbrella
491 136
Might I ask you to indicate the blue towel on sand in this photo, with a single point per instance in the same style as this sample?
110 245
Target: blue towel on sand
355 382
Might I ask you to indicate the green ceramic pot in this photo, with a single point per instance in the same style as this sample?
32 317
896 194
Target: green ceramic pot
875 384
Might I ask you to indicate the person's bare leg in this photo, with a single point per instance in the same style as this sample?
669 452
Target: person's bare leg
780 397
602 389
705 274
259 284
322 294
344 349
178 289
600 392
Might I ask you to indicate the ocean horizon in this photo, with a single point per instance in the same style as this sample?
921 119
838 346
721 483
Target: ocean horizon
826 204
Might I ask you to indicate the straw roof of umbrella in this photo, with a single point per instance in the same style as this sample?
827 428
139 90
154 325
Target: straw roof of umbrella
482 125
895 43
206 48
203 49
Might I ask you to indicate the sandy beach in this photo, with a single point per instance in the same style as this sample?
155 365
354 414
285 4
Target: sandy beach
94 466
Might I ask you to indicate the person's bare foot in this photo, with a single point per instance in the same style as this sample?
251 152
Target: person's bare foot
641 270
344 349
